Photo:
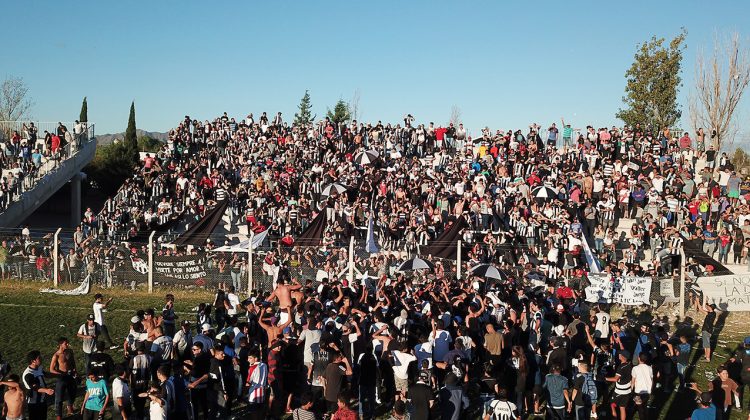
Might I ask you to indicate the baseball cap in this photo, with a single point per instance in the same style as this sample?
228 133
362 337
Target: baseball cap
134 320
205 327
424 377
186 322
625 354
747 341
90 317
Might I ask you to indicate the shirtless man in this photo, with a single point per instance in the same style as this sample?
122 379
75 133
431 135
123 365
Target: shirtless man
63 365
13 409
283 292
274 331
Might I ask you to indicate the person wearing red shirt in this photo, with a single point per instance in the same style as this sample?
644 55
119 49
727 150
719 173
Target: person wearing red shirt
344 412
440 136
55 144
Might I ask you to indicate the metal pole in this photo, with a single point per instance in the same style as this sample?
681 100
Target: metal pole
151 262
56 256
350 276
682 283
458 260
250 262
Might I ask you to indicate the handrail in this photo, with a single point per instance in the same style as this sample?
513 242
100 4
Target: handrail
49 166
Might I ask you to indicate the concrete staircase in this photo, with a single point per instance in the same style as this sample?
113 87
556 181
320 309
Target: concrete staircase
56 175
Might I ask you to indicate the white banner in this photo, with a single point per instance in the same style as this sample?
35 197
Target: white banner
624 290
666 288
728 293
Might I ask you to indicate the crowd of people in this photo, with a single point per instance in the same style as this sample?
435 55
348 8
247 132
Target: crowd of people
428 344
25 152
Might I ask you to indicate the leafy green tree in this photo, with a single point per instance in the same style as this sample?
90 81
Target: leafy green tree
111 166
653 82
131 138
340 113
741 160
84 111
148 144
304 116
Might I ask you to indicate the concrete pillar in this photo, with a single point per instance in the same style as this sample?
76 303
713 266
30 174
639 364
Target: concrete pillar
75 200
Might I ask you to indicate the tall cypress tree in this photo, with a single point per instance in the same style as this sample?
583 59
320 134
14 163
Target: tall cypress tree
131 139
84 112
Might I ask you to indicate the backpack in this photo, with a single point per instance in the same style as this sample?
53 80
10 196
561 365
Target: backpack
590 393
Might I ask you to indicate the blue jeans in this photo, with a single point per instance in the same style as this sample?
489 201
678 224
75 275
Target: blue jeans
236 280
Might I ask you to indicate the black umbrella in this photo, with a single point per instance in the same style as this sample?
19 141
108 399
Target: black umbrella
333 189
415 264
488 271
367 157
544 193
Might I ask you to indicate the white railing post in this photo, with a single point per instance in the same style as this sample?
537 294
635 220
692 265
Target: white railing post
458 260
250 262
682 283
350 276
56 256
151 262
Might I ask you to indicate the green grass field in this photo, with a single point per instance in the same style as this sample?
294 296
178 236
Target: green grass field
33 320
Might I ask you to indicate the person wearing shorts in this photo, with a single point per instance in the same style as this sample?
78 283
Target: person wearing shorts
623 391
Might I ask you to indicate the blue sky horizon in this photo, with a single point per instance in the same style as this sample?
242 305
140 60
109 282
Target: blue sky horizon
505 65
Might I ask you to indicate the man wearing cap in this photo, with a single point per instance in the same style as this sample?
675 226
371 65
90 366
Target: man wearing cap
205 338
706 410
99 306
421 397
88 332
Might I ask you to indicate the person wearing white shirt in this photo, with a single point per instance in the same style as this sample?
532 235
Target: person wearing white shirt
99 308
120 394
643 381
401 360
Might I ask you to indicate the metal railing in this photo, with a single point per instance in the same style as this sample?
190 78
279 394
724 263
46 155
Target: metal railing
22 173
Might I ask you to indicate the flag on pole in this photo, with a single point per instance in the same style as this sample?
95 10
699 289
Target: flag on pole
592 261
372 245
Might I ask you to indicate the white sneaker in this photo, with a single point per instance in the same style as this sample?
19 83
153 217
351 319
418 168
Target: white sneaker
593 415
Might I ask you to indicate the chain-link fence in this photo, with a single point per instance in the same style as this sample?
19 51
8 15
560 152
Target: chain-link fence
29 255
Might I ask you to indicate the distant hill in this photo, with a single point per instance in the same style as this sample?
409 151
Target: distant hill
105 139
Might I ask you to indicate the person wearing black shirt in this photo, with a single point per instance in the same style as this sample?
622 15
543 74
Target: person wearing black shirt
421 397
367 369
622 379
198 379
220 384
36 388
708 329
102 361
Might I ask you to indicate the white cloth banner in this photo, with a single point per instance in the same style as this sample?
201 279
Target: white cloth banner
82 289
666 288
626 290
728 293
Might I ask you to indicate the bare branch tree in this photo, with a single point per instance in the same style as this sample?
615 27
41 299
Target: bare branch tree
720 81
455 115
14 103
354 105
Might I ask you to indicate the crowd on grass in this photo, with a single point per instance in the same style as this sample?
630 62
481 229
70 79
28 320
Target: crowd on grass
418 345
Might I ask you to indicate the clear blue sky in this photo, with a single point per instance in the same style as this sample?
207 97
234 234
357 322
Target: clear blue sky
505 64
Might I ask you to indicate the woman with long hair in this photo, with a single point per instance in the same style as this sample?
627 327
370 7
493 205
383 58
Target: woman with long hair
520 367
